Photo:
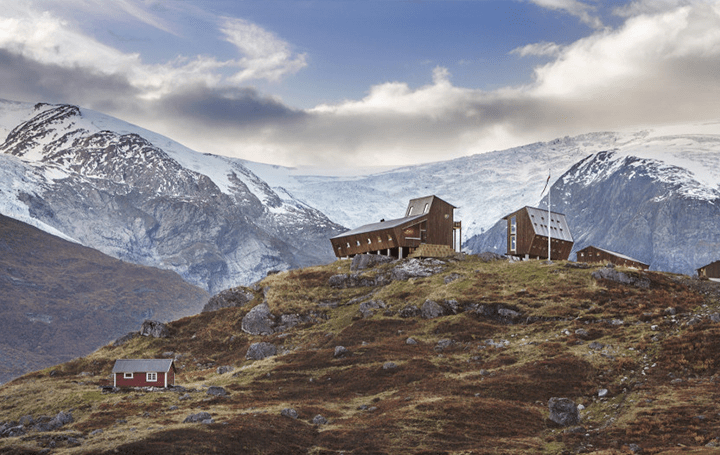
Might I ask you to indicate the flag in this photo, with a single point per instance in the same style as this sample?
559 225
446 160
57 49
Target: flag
546 185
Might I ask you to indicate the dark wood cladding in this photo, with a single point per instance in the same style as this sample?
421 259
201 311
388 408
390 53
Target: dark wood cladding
711 270
427 220
593 254
523 239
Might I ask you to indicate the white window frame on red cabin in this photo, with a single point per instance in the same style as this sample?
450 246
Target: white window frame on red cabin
127 375
150 377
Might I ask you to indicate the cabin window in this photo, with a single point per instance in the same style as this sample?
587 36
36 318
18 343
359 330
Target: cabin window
513 243
348 244
369 241
127 375
357 242
379 239
513 225
427 206
389 238
151 377
410 210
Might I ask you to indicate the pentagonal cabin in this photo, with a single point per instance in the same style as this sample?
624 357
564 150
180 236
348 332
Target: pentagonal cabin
527 234
143 373
710 271
428 221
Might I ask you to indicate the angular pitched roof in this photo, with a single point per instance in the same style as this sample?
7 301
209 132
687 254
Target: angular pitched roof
377 226
142 365
614 254
560 229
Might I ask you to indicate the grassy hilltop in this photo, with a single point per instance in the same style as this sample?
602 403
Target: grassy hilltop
477 381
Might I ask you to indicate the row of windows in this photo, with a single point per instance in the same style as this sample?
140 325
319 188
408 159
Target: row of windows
149 377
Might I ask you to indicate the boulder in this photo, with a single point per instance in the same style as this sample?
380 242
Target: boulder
610 274
258 321
224 369
289 412
368 308
431 310
411 341
261 350
563 411
319 419
353 280
389 366
368 261
488 256
416 268
340 351
409 311
199 417
216 391
229 298
155 329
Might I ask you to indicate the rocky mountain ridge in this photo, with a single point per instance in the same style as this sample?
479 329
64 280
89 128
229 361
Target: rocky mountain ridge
119 193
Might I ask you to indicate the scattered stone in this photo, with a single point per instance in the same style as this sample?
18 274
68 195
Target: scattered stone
261 350
634 448
715 317
431 310
96 432
488 256
229 298
225 369
168 354
563 411
389 366
670 311
443 344
173 408
155 329
610 274
185 397
596 346
409 311
340 351
602 393
367 309
368 261
452 277
416 268
411 341
258 321
289 412
353 280
582 333
319 419
197 418
216 391
26 421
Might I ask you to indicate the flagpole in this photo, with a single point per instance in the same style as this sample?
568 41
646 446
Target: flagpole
547 187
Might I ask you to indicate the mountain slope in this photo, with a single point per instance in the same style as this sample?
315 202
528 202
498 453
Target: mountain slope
208 218
416 357
61 300
657 213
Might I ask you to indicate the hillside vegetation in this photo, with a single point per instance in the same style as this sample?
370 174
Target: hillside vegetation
463 360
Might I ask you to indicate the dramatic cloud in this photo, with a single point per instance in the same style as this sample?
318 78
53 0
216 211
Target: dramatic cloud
660 66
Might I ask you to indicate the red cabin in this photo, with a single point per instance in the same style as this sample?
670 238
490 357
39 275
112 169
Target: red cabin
143 373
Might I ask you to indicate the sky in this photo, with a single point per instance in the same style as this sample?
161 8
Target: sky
341 86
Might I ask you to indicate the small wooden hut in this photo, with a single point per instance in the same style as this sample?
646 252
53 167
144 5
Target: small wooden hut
710 271
595 254
427 221
143 373
527 234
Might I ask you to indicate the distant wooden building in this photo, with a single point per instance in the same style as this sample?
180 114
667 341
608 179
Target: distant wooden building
427 221
527 234
595 254
710 271
143 373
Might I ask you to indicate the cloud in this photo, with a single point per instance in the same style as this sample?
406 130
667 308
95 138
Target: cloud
266 56
543 49
578 9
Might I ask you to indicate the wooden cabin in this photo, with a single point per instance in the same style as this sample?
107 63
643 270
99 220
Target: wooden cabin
143 373
595 254
427 221
710 271
527 234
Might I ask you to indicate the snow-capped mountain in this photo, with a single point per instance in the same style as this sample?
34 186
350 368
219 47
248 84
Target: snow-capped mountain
145 199
657 212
